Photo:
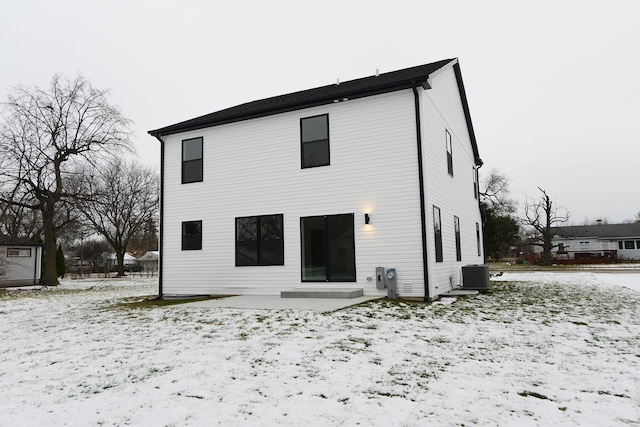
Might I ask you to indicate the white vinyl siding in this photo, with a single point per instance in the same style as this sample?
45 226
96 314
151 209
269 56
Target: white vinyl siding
442 111
254 167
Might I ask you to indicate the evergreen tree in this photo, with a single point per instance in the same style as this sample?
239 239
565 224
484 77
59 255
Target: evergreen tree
61 267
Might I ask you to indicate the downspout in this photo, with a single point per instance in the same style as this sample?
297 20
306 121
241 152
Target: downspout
421 183
161 240
483 215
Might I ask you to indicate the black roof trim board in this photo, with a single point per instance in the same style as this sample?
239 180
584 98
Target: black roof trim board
352 89
467 114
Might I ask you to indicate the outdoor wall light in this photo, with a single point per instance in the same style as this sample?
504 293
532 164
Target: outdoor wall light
367 220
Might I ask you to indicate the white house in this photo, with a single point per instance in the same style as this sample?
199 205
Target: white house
322 186
20 262
621 241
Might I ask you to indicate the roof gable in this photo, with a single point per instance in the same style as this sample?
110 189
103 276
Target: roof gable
365 86
352 89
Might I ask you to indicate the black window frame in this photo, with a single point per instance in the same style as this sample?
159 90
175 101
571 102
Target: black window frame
449 144
478 239
191 241
195 163
629 244
620 244
437 233
303 143
330 274
456 227
264 246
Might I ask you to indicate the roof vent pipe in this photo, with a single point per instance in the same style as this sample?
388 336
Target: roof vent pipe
337 82
377 72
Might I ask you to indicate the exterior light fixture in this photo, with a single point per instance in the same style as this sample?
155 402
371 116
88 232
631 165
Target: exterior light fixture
367 220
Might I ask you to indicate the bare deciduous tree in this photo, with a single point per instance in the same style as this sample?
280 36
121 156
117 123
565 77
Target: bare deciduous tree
118 201
494 193
44 132
501 228
543 217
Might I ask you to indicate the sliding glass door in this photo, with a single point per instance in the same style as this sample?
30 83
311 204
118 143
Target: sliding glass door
328 248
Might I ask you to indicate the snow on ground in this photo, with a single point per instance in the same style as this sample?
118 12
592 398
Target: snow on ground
541 349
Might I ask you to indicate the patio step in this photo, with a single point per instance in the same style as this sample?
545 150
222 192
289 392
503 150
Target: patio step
345 293
460 293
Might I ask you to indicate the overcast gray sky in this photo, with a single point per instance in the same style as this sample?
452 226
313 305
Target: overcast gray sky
553 86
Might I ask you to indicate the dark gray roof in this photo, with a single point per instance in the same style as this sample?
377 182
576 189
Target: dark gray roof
631 231
358 88
16 241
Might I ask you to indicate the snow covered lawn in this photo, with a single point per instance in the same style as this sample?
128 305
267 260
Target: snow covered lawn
541 349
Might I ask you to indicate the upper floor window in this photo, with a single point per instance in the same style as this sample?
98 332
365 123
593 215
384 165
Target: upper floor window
192 160
449 153
437 233
314 141
476 187
191 235
259 240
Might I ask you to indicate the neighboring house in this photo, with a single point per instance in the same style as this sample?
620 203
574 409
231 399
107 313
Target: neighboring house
20 262
621 241
111 260
320 187
149 261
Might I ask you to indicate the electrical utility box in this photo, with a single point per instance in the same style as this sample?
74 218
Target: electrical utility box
476 277
387 278
392 283
380 282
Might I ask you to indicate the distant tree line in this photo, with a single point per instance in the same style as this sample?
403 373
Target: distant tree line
62 173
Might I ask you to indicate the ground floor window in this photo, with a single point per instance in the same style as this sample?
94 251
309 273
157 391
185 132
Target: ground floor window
629 244
191 235
259 240
456 225
478 238
437 233
328 248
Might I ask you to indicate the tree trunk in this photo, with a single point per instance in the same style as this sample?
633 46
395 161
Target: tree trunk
50 276
120 260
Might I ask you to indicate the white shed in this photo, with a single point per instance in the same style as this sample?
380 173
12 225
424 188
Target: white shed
20 262
149 261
